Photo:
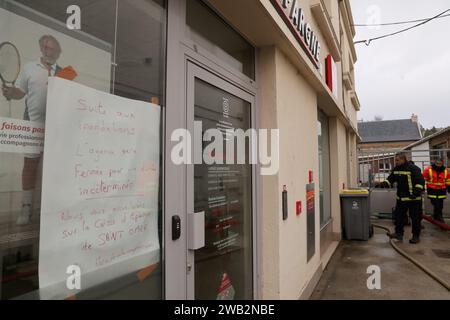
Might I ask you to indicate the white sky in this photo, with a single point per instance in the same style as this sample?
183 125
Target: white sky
406 73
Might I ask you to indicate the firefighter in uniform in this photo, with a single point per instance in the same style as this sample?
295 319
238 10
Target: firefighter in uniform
438 183
410 185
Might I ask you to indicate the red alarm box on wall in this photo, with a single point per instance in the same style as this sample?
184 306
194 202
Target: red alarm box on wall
298 209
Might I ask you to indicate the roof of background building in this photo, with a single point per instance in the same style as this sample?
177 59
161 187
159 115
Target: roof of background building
434 135
389 131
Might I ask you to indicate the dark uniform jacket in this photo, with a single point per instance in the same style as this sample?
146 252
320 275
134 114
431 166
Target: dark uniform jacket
410 182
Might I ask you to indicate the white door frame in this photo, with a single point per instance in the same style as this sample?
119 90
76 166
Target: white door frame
196 72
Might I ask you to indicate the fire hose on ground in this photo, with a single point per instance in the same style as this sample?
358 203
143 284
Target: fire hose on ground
437 223
414 261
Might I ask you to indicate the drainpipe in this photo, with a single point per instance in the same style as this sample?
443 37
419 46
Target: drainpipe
342 88
342 57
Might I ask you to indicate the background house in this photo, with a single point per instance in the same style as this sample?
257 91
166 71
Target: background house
424 150
379 142
389 134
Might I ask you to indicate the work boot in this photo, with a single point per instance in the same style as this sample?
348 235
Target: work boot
414 240
396 236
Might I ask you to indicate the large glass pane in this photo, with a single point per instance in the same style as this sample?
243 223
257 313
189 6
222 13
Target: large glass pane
324 169
214 34
223 268
120 50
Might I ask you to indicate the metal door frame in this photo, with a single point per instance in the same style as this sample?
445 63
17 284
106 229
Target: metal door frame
181 52
195 72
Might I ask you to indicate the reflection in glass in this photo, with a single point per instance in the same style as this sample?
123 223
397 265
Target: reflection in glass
120 49
215 35
324 169
223 268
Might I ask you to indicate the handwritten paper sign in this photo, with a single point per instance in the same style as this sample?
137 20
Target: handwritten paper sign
100 185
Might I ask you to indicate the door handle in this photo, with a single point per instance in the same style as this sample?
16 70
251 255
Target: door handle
196 230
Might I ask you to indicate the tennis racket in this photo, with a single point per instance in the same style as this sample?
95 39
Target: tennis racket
9 65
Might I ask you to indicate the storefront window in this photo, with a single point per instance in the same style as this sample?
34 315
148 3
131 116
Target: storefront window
214 34
324 169
108 57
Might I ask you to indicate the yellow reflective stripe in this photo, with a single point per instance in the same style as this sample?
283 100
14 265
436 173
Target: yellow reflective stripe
431 174
409 199
419 186
410 186
437 197
408 174
436 184
402 173
387 181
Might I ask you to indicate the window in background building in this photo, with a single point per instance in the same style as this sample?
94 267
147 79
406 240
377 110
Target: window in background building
120 50
385 165
324 169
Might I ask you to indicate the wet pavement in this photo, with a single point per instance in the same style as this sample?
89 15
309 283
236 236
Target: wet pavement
346 275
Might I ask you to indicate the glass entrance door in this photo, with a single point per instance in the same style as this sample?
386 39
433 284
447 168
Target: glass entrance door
219 190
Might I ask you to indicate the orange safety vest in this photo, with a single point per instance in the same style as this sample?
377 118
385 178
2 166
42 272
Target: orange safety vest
436 181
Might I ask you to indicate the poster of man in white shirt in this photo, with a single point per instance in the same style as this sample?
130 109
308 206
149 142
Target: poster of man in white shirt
31 85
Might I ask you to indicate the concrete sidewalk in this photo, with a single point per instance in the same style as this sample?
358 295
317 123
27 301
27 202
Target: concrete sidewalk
346 275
